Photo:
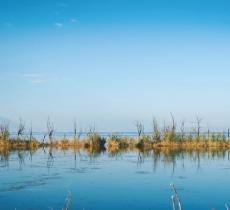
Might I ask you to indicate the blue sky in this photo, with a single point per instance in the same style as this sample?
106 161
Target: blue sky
113 62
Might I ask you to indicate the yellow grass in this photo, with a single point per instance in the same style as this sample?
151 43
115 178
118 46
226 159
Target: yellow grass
115 144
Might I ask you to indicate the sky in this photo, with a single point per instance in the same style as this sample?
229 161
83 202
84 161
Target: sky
110 63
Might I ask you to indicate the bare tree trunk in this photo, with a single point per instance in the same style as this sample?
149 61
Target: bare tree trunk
182 128
140 129
21 128
198 122
50 130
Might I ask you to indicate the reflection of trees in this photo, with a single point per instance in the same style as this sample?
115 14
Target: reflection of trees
169 158
21 158
4 157
117 153
172 157
156 156
20 154
31 153
77 153
142 155
50 160
93 154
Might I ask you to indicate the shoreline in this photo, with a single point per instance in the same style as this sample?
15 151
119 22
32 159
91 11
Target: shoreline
116 144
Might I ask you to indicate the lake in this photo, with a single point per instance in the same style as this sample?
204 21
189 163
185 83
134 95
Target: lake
128 180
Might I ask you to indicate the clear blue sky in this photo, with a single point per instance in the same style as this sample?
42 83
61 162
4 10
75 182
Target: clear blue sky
112 62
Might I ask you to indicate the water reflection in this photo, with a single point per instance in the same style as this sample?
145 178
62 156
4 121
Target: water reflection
102 178
165 157
50 159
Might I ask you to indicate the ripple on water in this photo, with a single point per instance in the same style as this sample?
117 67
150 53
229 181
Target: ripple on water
18 186
95 168
77 170
142 172
181 177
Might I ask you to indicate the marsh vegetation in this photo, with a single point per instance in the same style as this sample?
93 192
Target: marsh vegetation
169 137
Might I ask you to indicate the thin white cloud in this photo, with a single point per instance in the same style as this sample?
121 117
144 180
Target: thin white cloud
73 20
58 25
37 81
43 78
35 78
32 75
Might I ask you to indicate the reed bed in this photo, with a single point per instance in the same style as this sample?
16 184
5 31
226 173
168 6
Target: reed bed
171 137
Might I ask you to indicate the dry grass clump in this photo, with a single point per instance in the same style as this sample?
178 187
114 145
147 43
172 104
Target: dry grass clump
115 142
23 144
4 136
94 140
4 132
66 143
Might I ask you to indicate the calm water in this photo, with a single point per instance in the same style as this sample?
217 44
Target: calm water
126 181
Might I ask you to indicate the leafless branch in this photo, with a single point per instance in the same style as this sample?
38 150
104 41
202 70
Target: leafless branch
182 129
50 130
173 122
21 128
156 132
140 128
198 122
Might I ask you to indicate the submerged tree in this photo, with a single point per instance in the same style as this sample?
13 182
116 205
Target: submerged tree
77 133
198 123
156 131
182 130
50 130
140 129
31 132
21 128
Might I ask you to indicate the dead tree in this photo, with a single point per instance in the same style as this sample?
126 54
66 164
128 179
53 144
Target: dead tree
140 129
173 123
156 132
198 123
21 128
77 133
75 129
182 129
31 133
44 137
50 130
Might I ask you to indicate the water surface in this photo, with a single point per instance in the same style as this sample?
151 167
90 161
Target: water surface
131 180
